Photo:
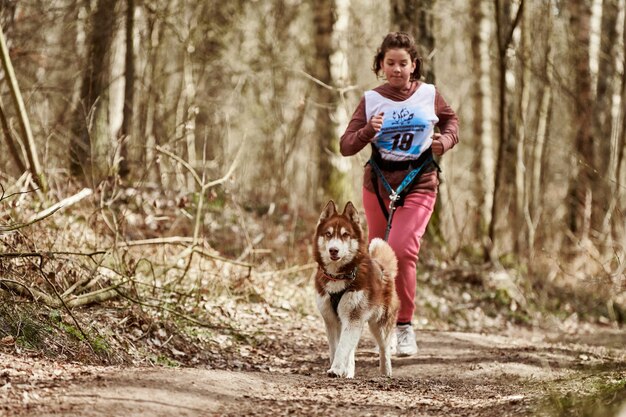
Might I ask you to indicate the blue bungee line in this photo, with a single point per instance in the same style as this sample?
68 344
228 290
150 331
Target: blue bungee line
394 195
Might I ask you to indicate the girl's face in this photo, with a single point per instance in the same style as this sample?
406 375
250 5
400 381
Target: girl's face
398 67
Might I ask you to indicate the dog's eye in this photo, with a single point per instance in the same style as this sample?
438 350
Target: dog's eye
345 235
328 234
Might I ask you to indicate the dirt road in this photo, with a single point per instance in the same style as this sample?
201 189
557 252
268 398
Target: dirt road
454 374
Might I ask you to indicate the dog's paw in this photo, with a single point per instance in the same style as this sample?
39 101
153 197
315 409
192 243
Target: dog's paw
336 372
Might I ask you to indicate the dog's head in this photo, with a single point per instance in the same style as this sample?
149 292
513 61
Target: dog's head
338 237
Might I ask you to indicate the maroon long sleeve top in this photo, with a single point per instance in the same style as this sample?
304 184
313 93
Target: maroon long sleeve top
360 133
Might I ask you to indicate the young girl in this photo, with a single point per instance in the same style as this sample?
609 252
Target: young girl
398 119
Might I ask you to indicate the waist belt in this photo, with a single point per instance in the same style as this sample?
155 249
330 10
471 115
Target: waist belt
396 196
386 165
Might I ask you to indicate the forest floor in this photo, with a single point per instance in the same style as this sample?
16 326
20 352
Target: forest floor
517 373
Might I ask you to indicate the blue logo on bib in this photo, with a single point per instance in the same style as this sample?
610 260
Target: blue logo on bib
402 117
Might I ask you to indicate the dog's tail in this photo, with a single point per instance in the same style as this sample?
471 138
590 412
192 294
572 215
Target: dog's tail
381 252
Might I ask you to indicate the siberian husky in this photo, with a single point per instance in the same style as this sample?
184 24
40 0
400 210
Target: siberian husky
355 286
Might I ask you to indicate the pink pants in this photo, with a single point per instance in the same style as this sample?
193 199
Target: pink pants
407 228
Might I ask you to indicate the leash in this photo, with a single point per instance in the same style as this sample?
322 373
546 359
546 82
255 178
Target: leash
395 195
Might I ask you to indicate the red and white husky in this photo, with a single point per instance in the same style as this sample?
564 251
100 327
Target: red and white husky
355 286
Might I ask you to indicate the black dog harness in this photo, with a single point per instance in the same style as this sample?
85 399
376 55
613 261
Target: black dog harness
335 297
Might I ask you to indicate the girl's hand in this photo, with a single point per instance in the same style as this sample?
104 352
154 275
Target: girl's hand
437 146
377 121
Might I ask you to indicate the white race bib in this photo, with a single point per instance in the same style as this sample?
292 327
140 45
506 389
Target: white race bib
408 125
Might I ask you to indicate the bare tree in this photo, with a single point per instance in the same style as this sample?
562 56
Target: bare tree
149 96
603 128
330 179
482 164
90 143
216 31
127 132
505 161
522 131
534 205
580 199
620 147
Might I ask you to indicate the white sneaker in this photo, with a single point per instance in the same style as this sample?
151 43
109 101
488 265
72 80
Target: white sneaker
406 340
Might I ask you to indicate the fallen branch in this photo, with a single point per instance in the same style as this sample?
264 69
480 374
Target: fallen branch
49 211
10 281
75 285
173 240
36 295
17 226
33 293
97 296
85 192
51 254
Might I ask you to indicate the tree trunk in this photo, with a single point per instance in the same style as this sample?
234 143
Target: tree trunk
505 161
536 199
621 145
330 179
185 114
126 136
148 99
482 163
580 196
523 97
606 85
91 142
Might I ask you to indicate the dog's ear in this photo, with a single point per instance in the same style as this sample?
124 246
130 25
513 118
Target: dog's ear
351 213
328 211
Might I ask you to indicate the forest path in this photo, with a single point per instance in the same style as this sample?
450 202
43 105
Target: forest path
453 374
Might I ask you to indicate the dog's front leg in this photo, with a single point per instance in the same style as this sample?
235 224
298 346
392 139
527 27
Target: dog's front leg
343 363
333 332
332 324
351 363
